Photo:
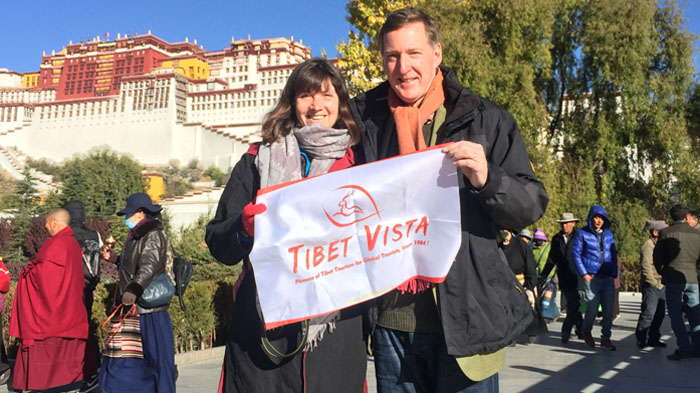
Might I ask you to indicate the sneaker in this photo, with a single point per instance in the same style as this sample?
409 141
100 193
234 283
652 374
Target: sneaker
641 344
588 338
657 344
606 343
679 355
90 384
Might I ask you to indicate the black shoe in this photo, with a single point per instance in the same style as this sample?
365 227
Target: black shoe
657 344
565 336
641 344
679 355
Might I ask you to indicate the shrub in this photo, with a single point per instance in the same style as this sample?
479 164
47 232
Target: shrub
194 328
10 343
35 236
6 233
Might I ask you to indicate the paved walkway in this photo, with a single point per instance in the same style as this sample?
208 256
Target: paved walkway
550 366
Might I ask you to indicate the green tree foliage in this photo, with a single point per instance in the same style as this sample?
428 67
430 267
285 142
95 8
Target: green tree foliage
25 203
602 91
191 246
101 180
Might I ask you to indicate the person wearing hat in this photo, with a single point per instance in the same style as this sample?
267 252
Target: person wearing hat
148 363
653 295
559 259
526 236
540 250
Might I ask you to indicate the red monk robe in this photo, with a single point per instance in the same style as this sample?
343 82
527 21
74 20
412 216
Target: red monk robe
49 318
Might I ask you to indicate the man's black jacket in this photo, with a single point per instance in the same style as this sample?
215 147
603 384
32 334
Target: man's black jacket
482 306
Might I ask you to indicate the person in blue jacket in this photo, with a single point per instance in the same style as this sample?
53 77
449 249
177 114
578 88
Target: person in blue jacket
595 256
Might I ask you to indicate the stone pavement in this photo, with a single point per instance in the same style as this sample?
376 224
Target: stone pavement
543 367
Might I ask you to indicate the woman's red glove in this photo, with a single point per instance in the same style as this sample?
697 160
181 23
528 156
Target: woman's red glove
248 216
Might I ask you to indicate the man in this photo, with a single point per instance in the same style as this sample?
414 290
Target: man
677 257
653 295
48 315
560 258
595 257
480 307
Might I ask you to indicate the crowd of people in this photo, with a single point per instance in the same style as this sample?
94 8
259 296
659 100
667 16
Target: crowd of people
425 337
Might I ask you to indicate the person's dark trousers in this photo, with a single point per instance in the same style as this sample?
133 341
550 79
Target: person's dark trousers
92 353
684 298
573 316
418 363
652 315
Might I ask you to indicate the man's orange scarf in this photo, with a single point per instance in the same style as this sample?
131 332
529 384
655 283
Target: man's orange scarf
409 129
409 119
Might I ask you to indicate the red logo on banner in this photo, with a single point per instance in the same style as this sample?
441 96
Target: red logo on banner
356 205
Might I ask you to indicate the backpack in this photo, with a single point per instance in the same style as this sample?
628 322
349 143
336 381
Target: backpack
91 262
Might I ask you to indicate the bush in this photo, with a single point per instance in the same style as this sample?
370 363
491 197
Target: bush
35 236
194 328
6 233
10 343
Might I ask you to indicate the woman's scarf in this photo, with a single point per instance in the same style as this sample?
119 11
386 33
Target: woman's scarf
280 162
409 130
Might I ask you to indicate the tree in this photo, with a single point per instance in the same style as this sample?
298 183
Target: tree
602 92
359 57
101 180
25 202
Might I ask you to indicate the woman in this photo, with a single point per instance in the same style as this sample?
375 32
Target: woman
139 354
308 132
522 263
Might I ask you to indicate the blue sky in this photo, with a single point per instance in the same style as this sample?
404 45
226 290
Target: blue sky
29 27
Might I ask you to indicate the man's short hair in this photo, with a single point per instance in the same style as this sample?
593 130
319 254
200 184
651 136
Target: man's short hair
405 16
679 211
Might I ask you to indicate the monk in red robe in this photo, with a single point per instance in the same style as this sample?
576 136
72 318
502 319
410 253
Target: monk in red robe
48 315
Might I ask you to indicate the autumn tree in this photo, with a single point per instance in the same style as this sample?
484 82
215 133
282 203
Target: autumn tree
602 92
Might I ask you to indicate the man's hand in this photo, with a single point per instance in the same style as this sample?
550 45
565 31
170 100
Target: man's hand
587 278
471 159
128 298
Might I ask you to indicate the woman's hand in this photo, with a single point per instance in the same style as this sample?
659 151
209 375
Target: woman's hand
128 298
248 216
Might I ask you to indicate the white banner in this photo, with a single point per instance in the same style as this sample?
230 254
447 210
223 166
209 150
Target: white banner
332 241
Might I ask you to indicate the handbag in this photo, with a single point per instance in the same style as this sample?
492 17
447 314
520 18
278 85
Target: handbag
158 292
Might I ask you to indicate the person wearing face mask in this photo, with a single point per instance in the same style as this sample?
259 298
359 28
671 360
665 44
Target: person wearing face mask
309 132
595 256
141 356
